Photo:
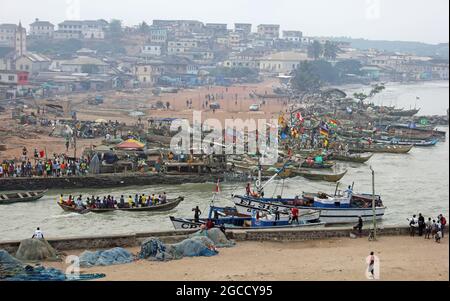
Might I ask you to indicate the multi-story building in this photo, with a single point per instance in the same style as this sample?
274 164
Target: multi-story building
243 28
42 29
69 30
151 50
293 35
81 30
21 40
148 73
158 35
216 28
8 34
181 45
282 62
269 31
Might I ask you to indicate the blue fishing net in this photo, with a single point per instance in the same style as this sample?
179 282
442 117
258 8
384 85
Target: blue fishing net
12 269
154 249
104 258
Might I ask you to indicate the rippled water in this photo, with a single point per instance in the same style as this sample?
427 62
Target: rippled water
409 183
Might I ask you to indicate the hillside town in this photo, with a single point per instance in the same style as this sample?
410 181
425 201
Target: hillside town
45 59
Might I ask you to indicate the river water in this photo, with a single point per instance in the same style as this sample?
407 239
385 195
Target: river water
408 183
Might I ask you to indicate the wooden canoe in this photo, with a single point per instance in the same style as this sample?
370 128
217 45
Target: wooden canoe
352 158
320 176
324 165
393 149
23 196
171 204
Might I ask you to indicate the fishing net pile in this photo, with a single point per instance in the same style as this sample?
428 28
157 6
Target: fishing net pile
217 236
35 250
104 258
201 243
12 269
154 249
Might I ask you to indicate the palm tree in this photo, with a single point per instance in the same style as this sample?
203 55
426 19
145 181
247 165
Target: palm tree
330 50
315 50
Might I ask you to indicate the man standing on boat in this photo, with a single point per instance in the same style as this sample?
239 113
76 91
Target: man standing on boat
294 212
349 192
247 189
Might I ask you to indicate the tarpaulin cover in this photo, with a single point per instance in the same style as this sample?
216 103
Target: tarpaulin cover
107 257
154 249
11 269
131 144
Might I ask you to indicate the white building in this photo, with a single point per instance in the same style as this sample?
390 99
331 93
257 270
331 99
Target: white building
282 62
151 49
8 34
293 35
42 29
270 31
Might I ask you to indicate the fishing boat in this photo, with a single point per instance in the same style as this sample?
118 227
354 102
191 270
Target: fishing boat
333 209
21 197
68 208
245 207
171 204
394 141
328 177
314 165
404 113
236 222
381 148
357 158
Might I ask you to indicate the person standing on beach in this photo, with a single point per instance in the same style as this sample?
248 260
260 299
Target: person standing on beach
413 225
38 234
359 225
421 224
197 214
428 227
443 223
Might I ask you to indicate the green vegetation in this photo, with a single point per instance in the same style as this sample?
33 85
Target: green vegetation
235 72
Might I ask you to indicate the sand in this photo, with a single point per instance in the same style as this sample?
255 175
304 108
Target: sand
117 106
401 258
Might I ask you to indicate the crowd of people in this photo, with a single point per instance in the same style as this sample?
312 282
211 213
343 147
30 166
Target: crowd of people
57 166
110 202
431 228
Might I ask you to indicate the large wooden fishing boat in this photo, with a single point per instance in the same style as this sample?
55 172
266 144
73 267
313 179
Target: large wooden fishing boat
68 208
171 204
357 158
404 113
19 197
319 176
379 148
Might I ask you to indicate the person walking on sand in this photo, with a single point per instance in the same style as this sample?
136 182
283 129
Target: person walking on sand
371 268
438 235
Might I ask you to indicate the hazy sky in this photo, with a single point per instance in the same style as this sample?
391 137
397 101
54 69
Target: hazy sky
409 20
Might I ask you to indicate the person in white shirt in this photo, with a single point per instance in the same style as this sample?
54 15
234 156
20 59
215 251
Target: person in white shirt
38 234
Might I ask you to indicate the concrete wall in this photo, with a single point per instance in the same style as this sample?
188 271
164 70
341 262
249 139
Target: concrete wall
104 181
133 240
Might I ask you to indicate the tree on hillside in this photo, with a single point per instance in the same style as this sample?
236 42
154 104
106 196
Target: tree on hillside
315 50
115 28
144 27
330 50
305 78
325 71
349 67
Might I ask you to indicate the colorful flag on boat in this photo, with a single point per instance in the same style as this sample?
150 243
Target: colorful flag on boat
41 154
333 123
299 116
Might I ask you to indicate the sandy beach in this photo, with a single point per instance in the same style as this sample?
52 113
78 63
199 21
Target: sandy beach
401 258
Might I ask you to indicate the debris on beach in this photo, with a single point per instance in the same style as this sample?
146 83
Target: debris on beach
103 258
217 236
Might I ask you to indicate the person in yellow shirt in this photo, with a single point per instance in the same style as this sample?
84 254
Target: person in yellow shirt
61 199
143 200
130 201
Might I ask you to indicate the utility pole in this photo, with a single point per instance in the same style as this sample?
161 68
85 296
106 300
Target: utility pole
374 219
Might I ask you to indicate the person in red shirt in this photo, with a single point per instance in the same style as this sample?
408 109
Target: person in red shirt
209 224
247 189
294 212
